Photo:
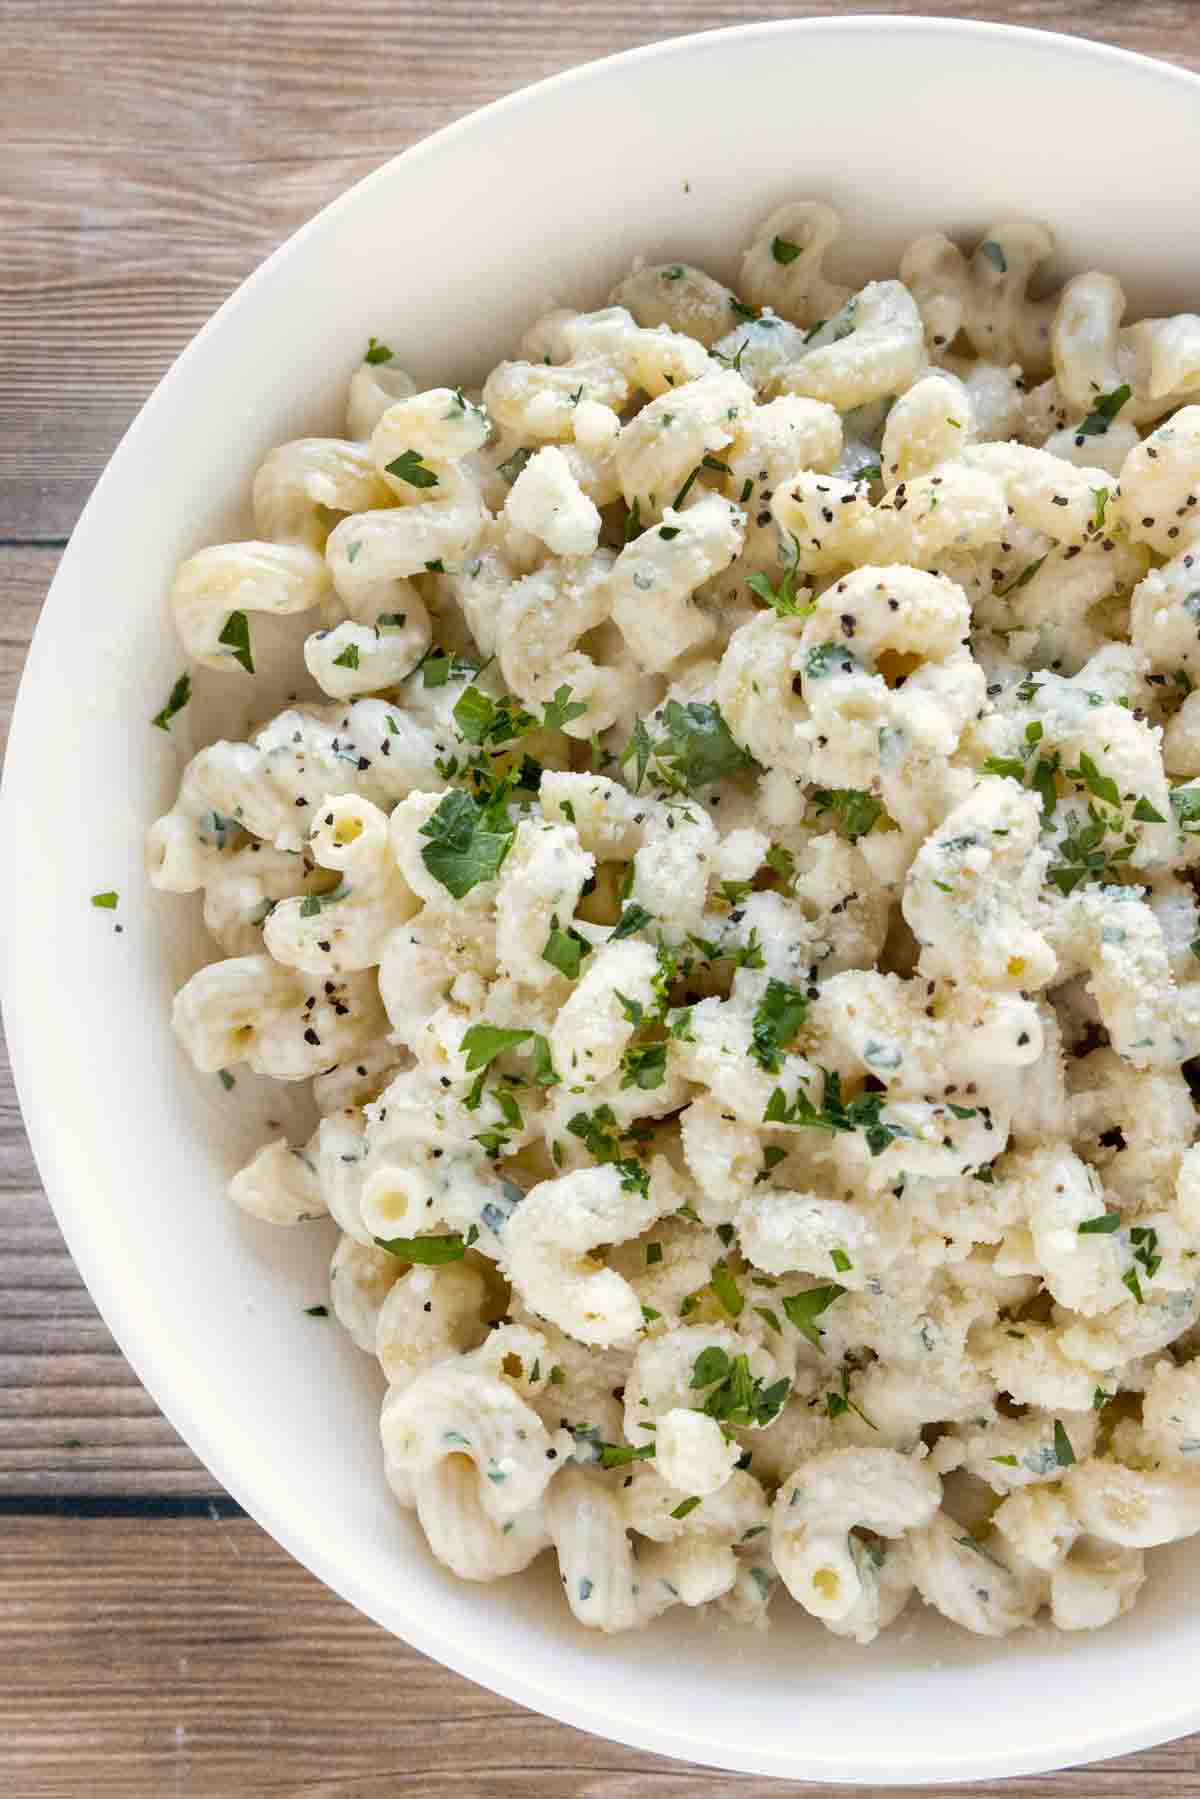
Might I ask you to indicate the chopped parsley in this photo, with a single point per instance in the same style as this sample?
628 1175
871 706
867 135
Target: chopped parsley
698 749
1103 412
685 1506
782 863
377 352
348 657
178 698
1145 1249
736 1397
638 750
644 1065
409 467
235 635
438 667
1103 787
105 902
1063 1452
781 599
803 1309
772 1157
565 950
856 811
482 720
726 1289
316 1311
468 841
598 1134
1102 1226
619 1455
484 1042
777 1018
560 709
633 918
863 1113
431 1251
1185 804
783 251
1023 579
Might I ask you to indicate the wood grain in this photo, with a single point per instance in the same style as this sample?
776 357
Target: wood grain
155 154
196 1658
152 155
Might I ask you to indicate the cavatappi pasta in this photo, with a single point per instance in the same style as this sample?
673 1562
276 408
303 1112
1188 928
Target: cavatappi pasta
730 880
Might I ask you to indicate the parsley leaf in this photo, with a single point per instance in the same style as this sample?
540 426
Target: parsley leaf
1145 1249
633 918
484 1042
561 709
1023 579
777 1018
781 599
1185 804
1102 1226
726 1289
1102 786
180 694
863 1113
803 1309
482 720
737 1397
597 1132
565 950
1062 1445
1103 412
855 810
644 1065
619 1455
468 841
698 749
431 1251
639 750
409 467
235 635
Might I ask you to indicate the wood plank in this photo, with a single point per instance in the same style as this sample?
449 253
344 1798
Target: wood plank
194 1657
156 154
153 155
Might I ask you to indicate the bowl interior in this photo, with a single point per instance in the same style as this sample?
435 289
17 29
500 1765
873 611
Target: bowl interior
673 152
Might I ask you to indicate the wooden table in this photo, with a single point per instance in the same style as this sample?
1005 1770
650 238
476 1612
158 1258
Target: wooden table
153 1640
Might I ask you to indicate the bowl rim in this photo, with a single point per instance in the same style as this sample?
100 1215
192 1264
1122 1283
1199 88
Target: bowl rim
33 1073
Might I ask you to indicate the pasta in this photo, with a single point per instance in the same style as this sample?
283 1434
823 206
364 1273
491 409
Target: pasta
728 870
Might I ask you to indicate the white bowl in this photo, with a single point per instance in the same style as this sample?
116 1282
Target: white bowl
675 150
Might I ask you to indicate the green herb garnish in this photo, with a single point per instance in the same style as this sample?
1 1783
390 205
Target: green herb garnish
179 696
1103 412
235 635
409 467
